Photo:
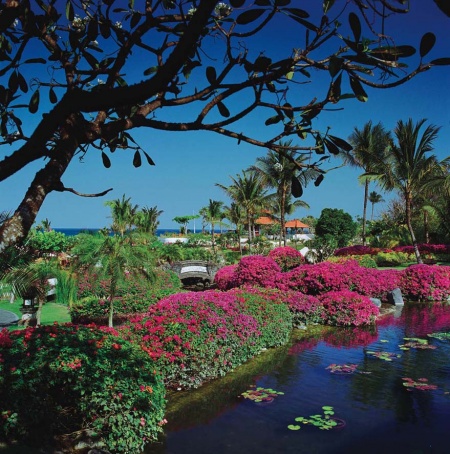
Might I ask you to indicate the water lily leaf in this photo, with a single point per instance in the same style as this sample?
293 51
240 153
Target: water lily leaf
293 427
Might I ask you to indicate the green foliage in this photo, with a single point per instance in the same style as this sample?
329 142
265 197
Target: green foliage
336 224
134 295
51 241
391 258
363 260
325 421
68 384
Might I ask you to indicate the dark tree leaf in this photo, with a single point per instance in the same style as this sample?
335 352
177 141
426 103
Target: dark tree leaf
318 180
93 62
151 70
358 89
441 61
223 109
355 25
273 120
444 6
335 65
426 44
137 161
288 111
327 4
13 82
331 147
237 3
70 15
92 31
52 96
341 143
249 16
149 159
106 160
34 102
135 18
298 12
22 82
305 23
262 2
335 89
36 60
105 28
262 64
282 2
271 87
211 75
296 188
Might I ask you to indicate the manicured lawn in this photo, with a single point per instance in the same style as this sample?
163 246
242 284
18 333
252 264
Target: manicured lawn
51 312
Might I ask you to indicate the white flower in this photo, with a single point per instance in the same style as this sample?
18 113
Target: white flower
191 11
118 24
100 81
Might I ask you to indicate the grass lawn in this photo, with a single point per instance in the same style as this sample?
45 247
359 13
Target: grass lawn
51 312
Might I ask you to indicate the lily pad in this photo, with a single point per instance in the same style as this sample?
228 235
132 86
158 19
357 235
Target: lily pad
440 336
416 343
421 384
259 395
385 356
325 421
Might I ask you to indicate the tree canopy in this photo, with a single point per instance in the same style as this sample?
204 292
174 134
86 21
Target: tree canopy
79 77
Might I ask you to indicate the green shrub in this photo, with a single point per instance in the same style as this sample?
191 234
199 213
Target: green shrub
135 295
56 380
391 258
365 261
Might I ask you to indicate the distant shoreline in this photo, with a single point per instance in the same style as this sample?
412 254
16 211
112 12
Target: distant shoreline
75 231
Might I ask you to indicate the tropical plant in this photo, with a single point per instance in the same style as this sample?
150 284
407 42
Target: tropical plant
113 258
374 198
212 213
122 213
183 221
337 225
279 170
235 215
97 102
409 166
146 220
248 191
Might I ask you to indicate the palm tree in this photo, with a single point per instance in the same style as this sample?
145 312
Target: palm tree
375 198
146 220
122 213
408 167
277 171
114 258
212 213
234 214
370 145
248 191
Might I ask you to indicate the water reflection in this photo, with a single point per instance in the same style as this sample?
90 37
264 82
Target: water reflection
381 415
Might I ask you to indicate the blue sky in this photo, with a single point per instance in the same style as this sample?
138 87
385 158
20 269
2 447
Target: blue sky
188 165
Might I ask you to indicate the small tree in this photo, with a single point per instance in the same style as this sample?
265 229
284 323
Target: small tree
114 258
183 221
336 224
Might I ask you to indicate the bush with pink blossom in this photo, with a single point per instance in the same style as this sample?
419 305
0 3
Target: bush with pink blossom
259 271
287 257
426 282
225 277
346 308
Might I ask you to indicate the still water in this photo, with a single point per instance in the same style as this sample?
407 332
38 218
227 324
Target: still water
381 416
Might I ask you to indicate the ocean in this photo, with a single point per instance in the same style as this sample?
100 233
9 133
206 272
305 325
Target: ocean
159 232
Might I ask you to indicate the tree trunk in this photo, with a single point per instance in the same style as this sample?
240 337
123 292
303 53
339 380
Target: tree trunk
366 196
212 238
411 231
282 216
426 226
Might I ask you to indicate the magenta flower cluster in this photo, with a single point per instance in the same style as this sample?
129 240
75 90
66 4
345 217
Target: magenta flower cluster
346 308
224 278
287 257
426 282
196 336
258 270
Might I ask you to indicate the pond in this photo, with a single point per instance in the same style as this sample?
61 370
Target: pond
358 375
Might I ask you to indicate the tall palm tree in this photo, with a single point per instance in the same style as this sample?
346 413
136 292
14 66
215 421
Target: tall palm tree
375 198
277 171
113 258
409 167
370 145
248 191
234 214
212 213
146 220
122 213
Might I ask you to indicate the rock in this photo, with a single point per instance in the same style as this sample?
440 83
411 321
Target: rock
376 301
395 297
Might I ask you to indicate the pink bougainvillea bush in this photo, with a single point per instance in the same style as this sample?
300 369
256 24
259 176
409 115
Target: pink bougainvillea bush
426 282
356 336
287 257
305 309
225 277
346 308
196 336
356 250
257 270
327 276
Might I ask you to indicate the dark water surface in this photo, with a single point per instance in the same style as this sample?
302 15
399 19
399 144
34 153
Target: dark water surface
381 416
